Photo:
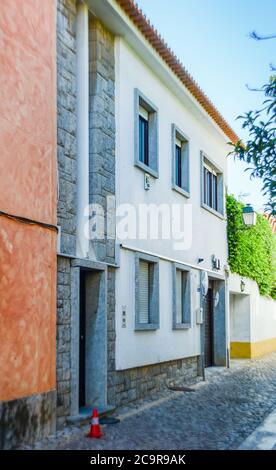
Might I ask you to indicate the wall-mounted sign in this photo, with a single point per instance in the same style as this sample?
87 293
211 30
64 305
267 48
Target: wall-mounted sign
215 263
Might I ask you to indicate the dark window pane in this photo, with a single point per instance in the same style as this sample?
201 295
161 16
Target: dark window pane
215 192
207 189
205 185
210 189
143 141
178 166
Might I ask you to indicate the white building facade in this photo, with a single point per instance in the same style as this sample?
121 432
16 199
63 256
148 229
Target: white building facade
138 346
137 308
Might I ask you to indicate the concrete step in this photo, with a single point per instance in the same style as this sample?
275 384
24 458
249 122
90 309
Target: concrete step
85 414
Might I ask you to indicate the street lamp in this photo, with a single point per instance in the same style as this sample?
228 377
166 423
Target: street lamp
249 215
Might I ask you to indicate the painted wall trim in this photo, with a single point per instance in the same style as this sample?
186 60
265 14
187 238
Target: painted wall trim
247 350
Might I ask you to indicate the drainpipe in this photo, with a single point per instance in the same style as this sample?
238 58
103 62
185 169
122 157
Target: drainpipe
82 127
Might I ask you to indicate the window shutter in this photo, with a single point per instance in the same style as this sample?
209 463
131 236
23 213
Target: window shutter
179 293
144 292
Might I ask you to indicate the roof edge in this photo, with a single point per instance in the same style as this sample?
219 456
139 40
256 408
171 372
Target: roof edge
137 16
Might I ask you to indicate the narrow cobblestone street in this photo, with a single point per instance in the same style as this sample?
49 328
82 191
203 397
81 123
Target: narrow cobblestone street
220 414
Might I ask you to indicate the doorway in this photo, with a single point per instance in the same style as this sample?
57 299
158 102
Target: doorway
82 341
209 329
214 328
92 354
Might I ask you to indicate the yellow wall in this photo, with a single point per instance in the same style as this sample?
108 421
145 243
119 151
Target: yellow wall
245 350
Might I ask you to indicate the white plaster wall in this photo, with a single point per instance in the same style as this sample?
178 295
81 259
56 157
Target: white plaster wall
208 231
263 318
239 318
208 234
253 318
135 348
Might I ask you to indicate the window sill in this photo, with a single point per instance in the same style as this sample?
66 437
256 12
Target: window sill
182 326
212 211
181 191
147 169
146 326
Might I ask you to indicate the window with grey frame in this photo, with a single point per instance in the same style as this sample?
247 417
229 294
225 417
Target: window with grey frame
147 293
180 162
146 134
181 297
143 136
212 187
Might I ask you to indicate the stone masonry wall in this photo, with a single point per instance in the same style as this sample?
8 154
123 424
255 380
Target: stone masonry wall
63 340
102 169
67 124
67 173
101 127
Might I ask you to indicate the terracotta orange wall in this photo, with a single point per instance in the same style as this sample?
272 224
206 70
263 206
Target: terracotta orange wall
27 188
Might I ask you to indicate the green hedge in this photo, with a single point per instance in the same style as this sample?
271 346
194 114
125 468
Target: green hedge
252 251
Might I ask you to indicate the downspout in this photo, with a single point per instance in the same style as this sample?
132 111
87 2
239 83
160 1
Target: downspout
82 38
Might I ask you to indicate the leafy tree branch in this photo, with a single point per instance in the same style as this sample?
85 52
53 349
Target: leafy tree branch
260 149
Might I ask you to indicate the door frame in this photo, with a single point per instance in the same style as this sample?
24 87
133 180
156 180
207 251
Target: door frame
82 355
101 379
219 322
211 339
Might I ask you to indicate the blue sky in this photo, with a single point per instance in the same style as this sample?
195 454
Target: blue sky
210 37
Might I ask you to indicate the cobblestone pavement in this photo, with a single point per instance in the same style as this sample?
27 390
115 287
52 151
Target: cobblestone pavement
220 414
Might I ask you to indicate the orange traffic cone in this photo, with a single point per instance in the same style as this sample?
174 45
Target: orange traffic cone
95 429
